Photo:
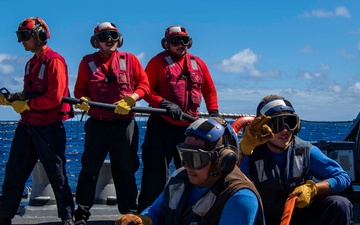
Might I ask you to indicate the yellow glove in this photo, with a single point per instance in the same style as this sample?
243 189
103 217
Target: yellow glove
84 105
3 100
123 106
20 106
255 134
131 219
305 192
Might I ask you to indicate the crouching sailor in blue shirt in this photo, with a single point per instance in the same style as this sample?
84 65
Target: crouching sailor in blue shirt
209 188
282 166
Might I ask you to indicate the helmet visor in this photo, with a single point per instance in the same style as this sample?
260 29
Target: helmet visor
194 157
278 122
23 35
104 36
180 40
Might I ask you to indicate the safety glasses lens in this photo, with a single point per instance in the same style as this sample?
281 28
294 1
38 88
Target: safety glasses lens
105 35
279 122
23 35
194 158
180 40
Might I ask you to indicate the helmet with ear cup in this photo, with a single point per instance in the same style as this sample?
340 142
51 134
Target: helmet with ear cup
174 30
218 136
38 27
103 27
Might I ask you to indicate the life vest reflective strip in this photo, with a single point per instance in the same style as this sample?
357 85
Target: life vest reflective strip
94 69
192 62
122 63
42 71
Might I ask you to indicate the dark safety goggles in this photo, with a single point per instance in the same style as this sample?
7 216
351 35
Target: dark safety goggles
180 40
278 122
23 35
104 36
194 157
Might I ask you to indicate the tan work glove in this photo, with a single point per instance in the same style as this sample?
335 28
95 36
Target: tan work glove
123 106
3 100
84 105
20 106
131 219
255 134
305 192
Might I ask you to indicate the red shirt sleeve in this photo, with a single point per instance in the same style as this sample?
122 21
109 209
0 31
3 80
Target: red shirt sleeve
81 84
142 87
155 73
208 89
57 84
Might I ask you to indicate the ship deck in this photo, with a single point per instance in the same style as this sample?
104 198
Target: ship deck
102 214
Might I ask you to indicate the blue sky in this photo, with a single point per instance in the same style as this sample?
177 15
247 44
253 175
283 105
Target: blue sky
306 51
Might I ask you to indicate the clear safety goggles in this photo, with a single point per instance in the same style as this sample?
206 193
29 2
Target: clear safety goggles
194 157
278 122
180 40
23 35
104 36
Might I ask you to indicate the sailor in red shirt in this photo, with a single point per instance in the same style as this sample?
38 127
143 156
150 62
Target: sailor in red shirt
113 77
40 134
178 82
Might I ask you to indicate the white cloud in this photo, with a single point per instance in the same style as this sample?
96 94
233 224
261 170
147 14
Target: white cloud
307 76
355 88
5 67
307 49
336 89
324 66
241 62
141 56
310 76
339 11
344 53
342 12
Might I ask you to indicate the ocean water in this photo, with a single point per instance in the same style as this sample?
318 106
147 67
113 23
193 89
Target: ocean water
311 131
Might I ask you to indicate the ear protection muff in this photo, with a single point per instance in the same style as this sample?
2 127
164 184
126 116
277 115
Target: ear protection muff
93 41
227 160
120 41
42 30
164 43
42 35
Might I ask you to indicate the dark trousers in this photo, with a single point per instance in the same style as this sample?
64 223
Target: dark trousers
158 149
331 210
119 138
32 143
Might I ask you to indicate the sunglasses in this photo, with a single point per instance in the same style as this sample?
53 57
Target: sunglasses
24 35
278 122
104 36
180 40
194 157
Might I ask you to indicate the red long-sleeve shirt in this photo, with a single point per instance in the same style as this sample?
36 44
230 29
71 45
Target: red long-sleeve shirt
139 76
156 74
57 84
